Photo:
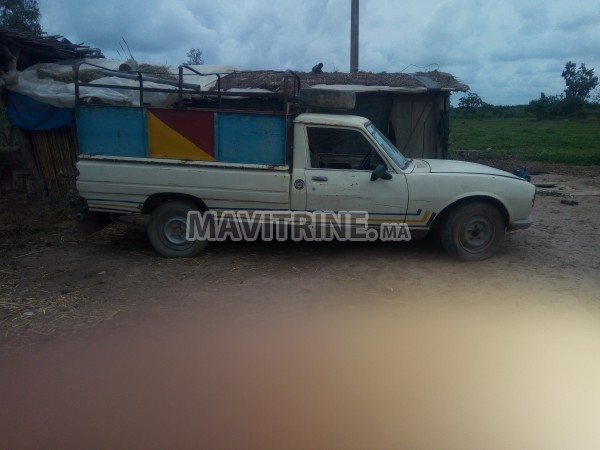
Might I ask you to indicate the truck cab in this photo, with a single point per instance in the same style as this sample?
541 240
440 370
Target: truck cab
335 157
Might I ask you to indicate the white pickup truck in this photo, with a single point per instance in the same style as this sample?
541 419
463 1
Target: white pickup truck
329 162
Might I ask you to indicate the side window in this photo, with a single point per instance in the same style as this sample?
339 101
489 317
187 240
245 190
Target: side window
337 148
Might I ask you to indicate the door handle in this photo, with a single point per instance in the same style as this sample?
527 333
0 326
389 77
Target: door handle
319 178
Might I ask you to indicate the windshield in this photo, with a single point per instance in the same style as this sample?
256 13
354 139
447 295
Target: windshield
387 146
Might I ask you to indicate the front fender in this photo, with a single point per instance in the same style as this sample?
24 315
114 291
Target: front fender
436 192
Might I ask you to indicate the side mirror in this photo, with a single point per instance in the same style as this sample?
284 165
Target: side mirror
380 172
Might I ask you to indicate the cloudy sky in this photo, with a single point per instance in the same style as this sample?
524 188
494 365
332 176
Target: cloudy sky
508 51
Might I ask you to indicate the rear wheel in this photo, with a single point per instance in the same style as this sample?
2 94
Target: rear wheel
473 231
167 231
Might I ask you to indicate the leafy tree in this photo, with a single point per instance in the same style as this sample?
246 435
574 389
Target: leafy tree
471 102
23 15
580 82
194 57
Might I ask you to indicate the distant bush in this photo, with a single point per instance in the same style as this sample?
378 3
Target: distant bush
546 107
488 111
471 105
573 106
559 106
508 112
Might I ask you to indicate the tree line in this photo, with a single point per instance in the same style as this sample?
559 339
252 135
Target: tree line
580 82
576 98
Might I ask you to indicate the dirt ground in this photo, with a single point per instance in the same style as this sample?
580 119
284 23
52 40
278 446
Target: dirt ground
55 281
264 345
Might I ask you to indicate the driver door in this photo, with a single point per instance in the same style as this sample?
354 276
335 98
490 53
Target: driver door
339 176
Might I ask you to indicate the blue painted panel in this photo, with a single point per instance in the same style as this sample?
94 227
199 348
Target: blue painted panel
250 138
30 114
112 131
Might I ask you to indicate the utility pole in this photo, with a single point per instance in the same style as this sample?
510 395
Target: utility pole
354 37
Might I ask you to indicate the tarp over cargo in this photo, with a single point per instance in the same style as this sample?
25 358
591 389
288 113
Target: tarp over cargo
42 82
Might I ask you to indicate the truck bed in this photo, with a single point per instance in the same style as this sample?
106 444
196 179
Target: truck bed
122 185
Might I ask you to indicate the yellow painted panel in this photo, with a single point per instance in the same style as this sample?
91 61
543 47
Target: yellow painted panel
164 142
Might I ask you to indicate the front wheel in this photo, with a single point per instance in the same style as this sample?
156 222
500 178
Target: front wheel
167 231
473 231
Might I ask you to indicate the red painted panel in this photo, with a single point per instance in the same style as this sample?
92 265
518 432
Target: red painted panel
196 126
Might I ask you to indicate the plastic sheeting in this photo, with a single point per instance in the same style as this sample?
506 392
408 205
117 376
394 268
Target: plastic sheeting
30 114
62 95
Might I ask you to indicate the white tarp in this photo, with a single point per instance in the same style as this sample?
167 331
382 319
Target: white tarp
62 94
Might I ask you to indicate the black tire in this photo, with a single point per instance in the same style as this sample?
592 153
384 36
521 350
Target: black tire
473 231
167 228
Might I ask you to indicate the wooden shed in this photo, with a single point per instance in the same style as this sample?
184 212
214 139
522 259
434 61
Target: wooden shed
411 109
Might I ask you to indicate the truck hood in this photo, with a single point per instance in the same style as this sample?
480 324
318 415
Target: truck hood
450 166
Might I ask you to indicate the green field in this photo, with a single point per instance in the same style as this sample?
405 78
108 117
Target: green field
574 141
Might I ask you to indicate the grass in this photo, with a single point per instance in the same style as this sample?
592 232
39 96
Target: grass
573 141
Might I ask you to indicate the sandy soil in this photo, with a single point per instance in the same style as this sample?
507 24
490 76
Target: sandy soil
104 344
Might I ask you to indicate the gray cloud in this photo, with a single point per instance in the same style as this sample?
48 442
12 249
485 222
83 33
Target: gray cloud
508 52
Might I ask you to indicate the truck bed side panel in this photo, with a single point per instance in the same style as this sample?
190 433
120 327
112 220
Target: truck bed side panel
112 130
188 135
125 186
251 138
181 134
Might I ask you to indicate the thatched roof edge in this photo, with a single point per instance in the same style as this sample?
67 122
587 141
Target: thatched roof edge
418 82
44 48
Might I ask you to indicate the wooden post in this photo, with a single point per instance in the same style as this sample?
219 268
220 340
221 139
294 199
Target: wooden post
354 37
19 138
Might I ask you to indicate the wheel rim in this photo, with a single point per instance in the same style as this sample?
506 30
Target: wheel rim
476 234
175 230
